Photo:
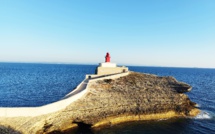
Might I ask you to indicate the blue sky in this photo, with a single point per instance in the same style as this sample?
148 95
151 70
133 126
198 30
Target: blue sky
176 33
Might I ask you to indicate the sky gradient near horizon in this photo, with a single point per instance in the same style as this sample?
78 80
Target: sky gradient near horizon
175 33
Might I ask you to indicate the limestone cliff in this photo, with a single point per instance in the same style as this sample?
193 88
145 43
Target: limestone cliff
109 101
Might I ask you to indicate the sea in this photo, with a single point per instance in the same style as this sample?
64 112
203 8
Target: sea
31 85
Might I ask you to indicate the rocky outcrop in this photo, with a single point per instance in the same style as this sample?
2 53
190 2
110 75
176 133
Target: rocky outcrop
110 101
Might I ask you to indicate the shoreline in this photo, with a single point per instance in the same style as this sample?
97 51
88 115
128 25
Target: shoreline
114 120
125 118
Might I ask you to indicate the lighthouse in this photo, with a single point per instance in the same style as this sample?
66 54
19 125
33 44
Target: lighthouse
107 62
107 57
107 67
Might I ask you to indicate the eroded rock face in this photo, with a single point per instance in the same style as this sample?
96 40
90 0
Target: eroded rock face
137 96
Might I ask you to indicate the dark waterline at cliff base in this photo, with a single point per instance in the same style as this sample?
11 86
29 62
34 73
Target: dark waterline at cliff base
46 83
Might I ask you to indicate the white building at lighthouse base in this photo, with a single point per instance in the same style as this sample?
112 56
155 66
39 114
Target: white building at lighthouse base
107 64
110 68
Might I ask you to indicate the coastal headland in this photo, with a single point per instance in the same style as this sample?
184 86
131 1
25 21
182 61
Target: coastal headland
104 101
111 96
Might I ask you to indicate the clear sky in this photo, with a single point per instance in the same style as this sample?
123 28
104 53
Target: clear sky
176 33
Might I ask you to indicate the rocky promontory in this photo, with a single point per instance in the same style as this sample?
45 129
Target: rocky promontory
110 101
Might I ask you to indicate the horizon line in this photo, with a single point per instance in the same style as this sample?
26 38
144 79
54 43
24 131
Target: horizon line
76 63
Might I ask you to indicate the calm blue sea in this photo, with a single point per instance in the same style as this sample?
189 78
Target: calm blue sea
40 84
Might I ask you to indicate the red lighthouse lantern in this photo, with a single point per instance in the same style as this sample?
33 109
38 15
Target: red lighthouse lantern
107 57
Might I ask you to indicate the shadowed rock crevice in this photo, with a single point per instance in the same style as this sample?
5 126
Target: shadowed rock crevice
84 128
8 130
